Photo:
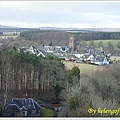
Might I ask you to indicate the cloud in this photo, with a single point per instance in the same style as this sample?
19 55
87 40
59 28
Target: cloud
72 14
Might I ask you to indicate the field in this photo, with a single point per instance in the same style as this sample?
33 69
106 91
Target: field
84 68
117 58
105 42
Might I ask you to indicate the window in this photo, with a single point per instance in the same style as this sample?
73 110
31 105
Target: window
29 112
25 113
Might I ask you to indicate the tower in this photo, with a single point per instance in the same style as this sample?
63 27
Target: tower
72 42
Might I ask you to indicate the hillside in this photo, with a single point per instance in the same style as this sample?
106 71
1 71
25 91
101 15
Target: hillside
84 68
45 37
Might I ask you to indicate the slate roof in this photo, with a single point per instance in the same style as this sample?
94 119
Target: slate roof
13 107
22 104
100 59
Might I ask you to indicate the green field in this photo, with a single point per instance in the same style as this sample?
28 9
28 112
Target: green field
105 42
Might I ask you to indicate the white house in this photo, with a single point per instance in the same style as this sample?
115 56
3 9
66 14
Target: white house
91 57
78 55
101 60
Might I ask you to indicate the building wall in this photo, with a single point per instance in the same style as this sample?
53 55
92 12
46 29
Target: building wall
17 114
22 114
34 114
11 33
8 37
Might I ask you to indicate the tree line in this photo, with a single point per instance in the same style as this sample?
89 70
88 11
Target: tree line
47 37
22 73
98 36
62 37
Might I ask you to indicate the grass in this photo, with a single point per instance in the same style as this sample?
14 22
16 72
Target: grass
105 42
45 112
117 58
84 68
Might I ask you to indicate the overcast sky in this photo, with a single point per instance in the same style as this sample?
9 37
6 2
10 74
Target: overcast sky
77 14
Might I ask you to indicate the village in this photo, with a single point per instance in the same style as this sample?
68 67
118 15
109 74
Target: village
89 55
59 59
69 53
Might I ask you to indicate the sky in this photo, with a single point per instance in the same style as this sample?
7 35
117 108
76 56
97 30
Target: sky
77 14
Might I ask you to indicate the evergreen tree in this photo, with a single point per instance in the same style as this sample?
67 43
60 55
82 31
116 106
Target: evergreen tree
73 74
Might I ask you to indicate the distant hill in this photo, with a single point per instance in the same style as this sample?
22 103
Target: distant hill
61 37
46 37
4 26
82 29
68 29
103 29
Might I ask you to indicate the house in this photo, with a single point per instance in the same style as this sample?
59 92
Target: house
70 58
80 60
65 49
85 57
33 50
79 55
90 57
42 53
50 50
101 60
22 107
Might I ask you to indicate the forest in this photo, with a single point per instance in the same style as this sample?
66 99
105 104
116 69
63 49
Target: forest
95 90
22 73
61 37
